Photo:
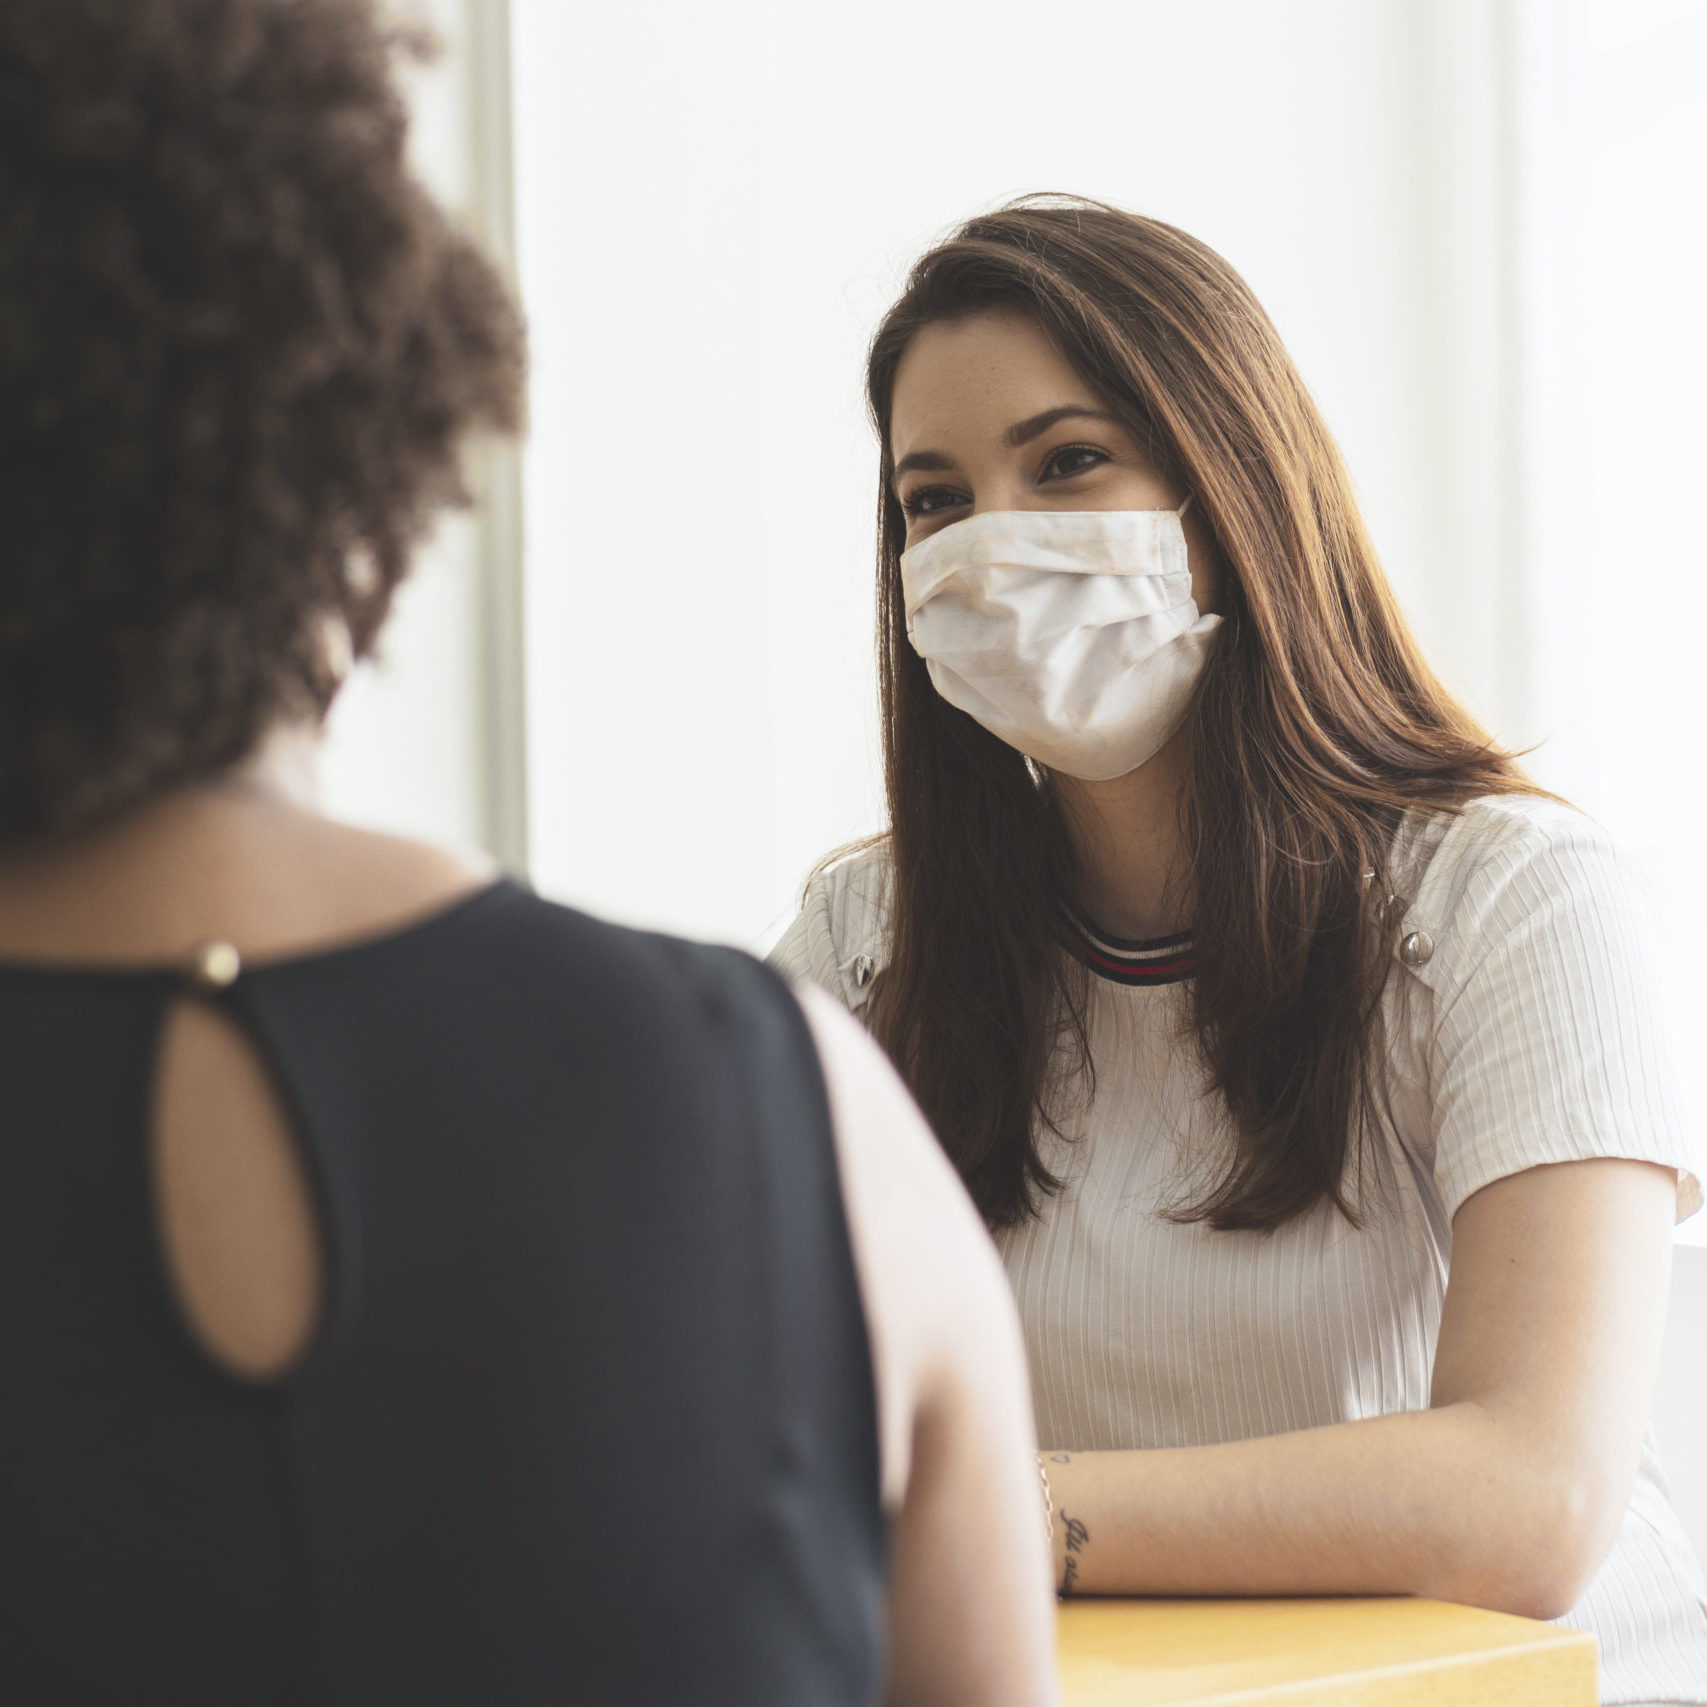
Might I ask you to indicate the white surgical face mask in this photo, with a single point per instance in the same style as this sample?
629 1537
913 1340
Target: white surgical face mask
1072 635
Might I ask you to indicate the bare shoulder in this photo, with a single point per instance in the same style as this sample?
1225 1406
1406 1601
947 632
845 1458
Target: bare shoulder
327 882
379 874
885 1135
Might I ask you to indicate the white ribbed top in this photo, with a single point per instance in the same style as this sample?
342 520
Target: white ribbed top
1528 1035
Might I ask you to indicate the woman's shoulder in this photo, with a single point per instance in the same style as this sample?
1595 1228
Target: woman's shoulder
840 937
1500 851
1532 931
1520 895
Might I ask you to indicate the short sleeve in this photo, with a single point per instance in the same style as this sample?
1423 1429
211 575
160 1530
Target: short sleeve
839 938
793 954
1549 1044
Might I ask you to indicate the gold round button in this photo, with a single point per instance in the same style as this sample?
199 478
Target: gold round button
215 965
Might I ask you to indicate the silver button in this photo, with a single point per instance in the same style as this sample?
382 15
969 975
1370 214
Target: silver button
863 969
215 965
1416 948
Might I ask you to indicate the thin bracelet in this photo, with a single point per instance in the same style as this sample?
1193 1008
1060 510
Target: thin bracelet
1048 1510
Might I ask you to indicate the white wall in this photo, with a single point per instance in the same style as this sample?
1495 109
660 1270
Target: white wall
1645 598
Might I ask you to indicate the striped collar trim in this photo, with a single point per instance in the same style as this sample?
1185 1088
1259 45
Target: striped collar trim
1152 960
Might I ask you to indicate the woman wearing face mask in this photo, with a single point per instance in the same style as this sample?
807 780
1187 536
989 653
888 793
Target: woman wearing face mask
1299 1050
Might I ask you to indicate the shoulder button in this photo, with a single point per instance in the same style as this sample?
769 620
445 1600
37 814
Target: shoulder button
864 969
1416 948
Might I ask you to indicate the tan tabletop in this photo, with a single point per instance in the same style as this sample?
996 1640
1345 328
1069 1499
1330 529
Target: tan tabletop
1371 1653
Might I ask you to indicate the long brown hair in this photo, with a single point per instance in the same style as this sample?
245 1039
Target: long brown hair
1316 725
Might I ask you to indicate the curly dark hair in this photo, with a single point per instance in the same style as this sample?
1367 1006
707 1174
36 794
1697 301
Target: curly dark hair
240 349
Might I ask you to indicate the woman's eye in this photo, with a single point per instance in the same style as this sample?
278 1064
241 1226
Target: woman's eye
931 500
1069 460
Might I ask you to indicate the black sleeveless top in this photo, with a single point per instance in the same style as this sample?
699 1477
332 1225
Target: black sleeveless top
589 1416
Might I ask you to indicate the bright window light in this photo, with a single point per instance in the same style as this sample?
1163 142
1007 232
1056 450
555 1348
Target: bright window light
1647 356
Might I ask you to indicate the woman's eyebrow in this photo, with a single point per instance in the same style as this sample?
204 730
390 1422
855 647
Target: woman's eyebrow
931 460
1023 432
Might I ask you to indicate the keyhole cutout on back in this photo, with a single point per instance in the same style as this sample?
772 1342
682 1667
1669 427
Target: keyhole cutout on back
236 1216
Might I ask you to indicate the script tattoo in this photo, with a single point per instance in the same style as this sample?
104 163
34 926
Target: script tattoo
1078 1537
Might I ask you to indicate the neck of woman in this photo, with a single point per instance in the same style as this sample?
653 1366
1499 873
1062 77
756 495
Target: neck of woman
1126 835
244 857
156 869
279 777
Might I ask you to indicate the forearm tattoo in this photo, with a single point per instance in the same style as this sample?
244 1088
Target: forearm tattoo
1078 1538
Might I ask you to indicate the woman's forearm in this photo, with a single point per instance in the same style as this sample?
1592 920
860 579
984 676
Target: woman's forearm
1444 1503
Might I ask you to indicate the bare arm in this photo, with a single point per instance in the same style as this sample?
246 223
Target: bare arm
1506 1493
971 1617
